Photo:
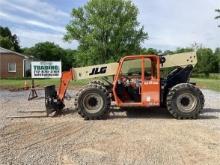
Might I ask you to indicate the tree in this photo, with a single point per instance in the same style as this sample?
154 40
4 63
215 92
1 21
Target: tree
106 30
217 52
166 52
217 55
207 61
218 16
195 46
183 50
70 57
150 51
48 51
9 41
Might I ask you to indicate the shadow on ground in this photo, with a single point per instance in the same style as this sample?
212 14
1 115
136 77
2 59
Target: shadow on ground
210 110
141 113
159 113
207 111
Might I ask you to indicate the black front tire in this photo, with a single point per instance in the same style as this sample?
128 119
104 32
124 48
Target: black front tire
93 102
185 101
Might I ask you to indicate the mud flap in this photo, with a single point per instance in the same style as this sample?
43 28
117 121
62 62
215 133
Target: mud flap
52 103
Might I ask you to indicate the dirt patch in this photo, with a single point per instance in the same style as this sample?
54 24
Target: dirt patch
151 136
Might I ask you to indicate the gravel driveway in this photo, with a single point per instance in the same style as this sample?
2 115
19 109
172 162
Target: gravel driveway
146 137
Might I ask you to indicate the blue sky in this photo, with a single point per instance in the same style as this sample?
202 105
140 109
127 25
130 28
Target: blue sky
169 23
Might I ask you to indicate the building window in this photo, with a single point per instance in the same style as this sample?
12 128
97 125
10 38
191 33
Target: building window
11 67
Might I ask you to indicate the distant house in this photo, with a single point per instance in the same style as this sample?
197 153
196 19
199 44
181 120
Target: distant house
13 64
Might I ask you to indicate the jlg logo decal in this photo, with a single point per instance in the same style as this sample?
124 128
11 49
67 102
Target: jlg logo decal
98 70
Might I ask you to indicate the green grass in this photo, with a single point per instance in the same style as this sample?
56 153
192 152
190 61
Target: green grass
203 76
14 84
213 84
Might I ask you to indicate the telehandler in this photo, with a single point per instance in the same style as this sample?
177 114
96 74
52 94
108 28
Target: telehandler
136 83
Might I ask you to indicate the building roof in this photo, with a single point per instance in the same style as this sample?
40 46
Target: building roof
6 51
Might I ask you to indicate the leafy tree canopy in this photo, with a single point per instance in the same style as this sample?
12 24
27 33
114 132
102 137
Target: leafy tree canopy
48 51
150 51
106 30
207 61
9 40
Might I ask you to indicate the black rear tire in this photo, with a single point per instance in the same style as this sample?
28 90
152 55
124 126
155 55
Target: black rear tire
185 101
93 102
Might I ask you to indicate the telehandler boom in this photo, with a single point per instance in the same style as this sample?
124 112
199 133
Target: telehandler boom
136 83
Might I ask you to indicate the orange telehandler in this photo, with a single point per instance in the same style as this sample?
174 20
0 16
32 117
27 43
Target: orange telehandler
136 83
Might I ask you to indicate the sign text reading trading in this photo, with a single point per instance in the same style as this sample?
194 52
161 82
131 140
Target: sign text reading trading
46 67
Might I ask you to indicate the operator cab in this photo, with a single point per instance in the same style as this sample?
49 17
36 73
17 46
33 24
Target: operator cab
137 81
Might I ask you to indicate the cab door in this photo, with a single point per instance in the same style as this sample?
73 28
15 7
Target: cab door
151 81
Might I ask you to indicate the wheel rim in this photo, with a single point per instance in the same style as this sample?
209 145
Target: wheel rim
92 102
186 102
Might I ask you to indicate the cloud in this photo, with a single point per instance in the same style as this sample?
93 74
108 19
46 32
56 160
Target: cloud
31 37
37 8
40 21
22 20
175 24
169 23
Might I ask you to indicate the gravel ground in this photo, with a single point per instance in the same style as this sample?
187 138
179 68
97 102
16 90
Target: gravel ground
146 137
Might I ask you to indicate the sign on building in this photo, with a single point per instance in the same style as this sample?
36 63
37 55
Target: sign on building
46 69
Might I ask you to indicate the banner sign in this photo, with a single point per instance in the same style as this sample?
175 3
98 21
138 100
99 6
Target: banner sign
46 69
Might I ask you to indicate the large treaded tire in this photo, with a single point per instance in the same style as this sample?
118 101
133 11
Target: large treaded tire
98 91
176 106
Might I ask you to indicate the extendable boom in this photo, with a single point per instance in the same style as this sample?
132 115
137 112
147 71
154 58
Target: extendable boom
110 69
180 59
